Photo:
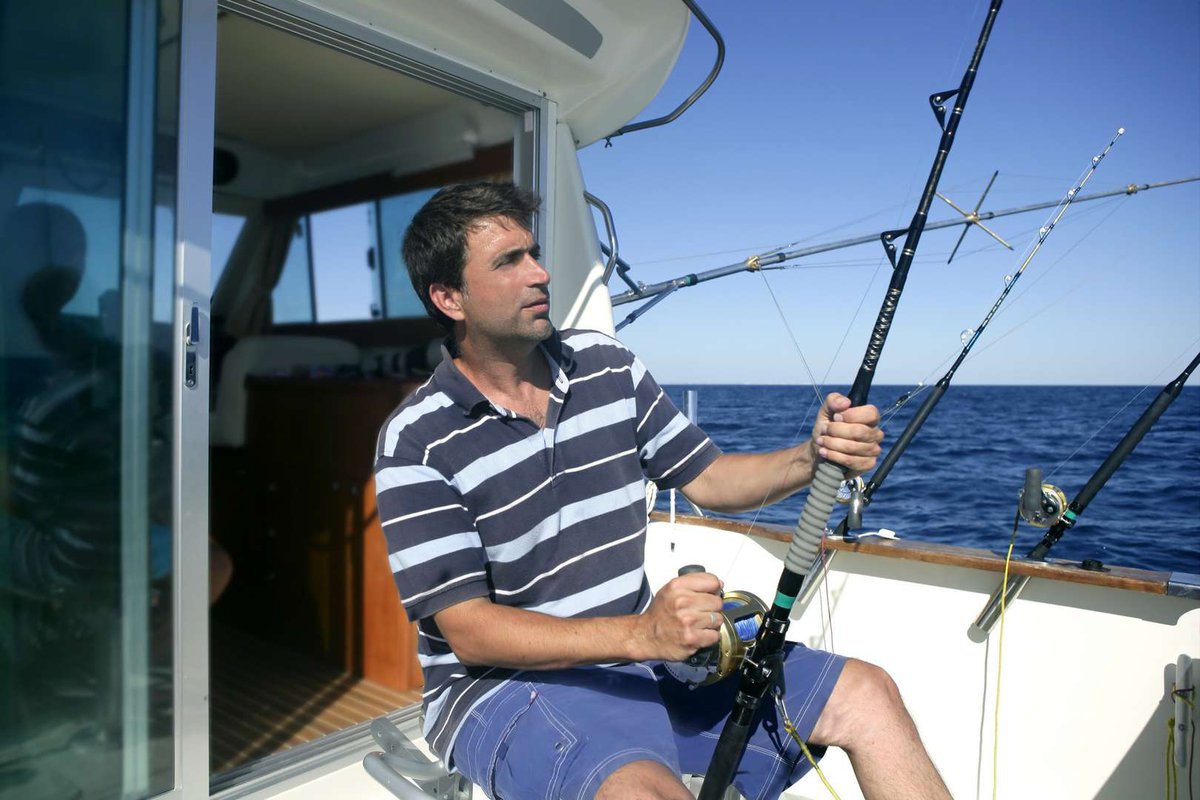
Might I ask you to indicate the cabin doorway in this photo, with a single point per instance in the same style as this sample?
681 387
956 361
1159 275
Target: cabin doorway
326 145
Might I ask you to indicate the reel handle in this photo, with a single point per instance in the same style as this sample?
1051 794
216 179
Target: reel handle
705 654
1031 495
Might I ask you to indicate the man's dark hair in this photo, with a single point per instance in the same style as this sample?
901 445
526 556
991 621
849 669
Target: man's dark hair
435 246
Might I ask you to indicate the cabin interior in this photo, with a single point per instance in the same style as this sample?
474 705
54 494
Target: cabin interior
322 157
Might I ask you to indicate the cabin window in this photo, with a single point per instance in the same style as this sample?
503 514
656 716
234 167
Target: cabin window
345 265
88 100
226 228
292 298
345 281
395 214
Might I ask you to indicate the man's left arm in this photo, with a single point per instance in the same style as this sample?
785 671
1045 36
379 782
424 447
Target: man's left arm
744 481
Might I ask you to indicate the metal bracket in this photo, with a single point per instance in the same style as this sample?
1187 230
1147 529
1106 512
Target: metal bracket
937 102
888 238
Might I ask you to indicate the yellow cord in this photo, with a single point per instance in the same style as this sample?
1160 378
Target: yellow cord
1172 782
1000 661
787 726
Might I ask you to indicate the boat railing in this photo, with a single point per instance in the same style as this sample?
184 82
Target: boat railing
703 19
610 230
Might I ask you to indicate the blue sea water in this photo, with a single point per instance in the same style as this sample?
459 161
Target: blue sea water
958 481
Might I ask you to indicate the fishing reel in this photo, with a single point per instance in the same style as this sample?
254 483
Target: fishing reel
741 617
1040 504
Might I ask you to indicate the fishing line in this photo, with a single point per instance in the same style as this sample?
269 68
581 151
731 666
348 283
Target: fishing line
812 379
1155 377
1000 659
962 43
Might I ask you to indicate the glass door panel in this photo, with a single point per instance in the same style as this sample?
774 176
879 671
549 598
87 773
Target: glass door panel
88 102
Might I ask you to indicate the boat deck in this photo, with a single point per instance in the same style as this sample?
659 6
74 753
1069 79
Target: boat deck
265 698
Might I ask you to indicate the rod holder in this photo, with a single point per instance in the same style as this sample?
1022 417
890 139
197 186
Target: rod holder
983 624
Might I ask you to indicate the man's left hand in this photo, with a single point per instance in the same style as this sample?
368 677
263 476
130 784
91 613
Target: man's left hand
847 436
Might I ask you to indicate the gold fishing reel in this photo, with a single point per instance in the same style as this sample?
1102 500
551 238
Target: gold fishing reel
1040 504
741 617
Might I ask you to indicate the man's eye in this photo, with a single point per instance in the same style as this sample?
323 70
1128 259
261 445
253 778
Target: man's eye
535 253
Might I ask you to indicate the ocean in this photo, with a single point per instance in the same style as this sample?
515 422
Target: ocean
958 481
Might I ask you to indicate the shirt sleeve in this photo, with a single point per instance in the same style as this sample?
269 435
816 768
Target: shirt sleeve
672 450
434 550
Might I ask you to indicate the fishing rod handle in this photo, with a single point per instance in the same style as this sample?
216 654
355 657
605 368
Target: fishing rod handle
806 539
726 758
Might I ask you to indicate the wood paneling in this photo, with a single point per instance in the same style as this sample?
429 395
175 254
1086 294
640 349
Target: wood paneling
310 563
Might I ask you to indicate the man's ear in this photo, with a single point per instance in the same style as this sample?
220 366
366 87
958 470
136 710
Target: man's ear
447 300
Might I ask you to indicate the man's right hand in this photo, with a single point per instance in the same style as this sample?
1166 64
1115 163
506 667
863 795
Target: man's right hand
684 617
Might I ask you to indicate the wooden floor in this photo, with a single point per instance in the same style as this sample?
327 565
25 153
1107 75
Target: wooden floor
265 699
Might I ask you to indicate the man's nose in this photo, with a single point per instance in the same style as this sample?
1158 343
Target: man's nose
538 275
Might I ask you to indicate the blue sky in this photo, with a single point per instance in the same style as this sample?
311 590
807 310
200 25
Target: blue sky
819 129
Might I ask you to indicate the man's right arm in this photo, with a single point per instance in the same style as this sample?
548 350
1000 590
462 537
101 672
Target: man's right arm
677 623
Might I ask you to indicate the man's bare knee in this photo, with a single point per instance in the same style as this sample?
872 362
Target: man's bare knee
864 697
643 780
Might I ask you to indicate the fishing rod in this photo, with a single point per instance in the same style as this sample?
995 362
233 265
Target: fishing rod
1045 506
860 494
765 261
761 667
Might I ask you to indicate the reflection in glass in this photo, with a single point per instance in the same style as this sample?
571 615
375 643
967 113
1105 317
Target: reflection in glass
395 215
80 717
292 297
342 278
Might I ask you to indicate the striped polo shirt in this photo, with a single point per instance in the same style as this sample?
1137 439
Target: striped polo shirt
477 501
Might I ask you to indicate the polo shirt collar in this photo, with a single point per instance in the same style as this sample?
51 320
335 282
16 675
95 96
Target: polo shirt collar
466 396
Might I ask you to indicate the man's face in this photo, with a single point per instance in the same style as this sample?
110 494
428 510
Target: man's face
506 294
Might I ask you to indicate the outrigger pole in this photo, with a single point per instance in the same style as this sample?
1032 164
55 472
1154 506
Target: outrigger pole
861 495
772 260
762 665
1067 517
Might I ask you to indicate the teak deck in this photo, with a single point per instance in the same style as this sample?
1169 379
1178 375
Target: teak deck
265 698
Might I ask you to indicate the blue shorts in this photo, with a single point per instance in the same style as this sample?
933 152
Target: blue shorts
560 734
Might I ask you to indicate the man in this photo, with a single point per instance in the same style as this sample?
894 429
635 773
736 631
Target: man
510 491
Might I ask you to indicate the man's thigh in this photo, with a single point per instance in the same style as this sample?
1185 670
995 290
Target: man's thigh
772 760
562 733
